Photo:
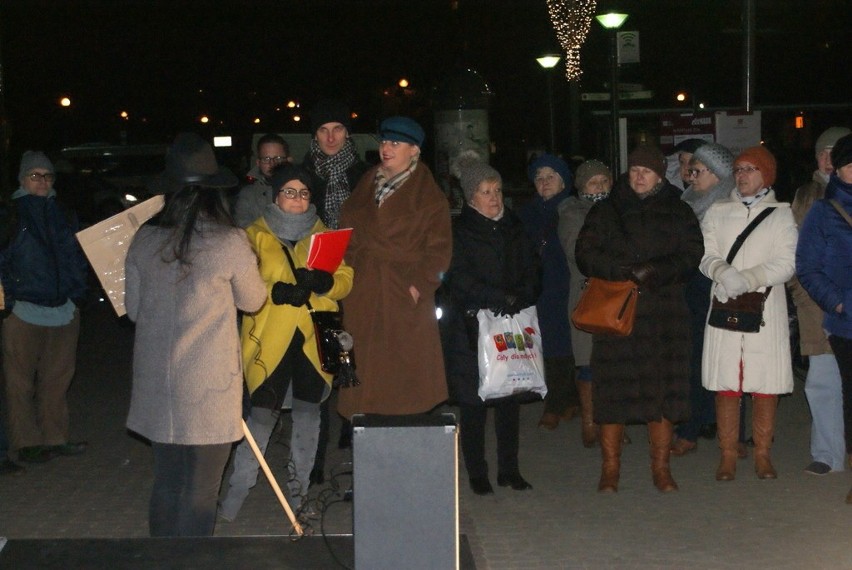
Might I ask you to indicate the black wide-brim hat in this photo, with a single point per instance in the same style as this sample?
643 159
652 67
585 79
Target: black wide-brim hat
190 162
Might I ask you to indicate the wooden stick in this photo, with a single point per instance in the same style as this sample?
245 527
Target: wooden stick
271 478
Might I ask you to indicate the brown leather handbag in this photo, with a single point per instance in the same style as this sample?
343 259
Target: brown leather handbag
606 307
745 313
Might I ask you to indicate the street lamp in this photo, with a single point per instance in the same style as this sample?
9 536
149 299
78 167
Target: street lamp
548 62
612 21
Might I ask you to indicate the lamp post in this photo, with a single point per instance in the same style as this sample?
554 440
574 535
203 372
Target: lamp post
612 21
548 62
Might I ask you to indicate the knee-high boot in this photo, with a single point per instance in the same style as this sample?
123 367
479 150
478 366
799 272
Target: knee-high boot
610 437
728 431
660 436
762 430
589 429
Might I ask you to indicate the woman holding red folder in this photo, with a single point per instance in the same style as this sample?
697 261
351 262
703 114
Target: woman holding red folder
280 359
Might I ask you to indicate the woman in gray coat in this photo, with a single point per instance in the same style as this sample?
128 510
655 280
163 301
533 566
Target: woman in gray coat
593 182
188 270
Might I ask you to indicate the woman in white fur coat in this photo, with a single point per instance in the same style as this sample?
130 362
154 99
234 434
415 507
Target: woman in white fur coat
759 363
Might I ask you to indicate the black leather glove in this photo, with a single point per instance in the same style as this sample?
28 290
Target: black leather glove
316 280
642 273
289 294
509 307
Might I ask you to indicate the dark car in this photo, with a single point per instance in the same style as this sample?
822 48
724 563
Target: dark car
100 180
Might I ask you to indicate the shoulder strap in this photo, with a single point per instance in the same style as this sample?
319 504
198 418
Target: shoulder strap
742 237
293 267
841 211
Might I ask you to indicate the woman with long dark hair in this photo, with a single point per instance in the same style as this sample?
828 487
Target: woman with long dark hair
188 271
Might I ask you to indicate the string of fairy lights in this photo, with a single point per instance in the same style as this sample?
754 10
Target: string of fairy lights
571 20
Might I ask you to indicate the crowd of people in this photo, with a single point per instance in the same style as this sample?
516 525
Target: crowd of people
222 296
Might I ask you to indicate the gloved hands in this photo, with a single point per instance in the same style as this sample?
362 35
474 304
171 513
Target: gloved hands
316 280
734 282
508 307
720 293
289 294
640 273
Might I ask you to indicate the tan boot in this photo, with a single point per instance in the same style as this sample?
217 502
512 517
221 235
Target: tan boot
589 429
762 430
549 421
610 438
660 437
728 431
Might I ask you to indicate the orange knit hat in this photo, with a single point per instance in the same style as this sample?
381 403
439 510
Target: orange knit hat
763 160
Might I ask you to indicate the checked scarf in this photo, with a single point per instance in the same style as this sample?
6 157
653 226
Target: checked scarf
332 169
386 187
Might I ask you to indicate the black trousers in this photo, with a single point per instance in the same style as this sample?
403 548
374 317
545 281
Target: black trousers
842 348
507 419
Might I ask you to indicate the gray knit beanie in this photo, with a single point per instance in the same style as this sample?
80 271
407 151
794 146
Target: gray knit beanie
471 172
717 158
34 159
589 169
829 138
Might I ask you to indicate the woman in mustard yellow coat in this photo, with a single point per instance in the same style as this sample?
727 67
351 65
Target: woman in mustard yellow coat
280 359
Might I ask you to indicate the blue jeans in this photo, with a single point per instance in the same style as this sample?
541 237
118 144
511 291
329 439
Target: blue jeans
186 486
824 391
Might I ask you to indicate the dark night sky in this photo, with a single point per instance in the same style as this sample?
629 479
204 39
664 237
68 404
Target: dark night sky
151 57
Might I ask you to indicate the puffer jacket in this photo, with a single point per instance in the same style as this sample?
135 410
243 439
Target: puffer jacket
824 257
42 263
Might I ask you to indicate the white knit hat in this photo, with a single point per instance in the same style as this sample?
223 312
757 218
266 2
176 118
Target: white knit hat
717 158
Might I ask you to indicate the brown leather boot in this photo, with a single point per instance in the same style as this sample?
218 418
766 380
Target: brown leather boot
549 421
728 431
762 430
589 429
610 438
660 437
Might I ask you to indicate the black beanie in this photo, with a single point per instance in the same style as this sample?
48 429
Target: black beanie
330 111
841 154
286 173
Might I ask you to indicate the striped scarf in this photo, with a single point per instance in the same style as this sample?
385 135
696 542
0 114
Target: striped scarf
332 169
385 187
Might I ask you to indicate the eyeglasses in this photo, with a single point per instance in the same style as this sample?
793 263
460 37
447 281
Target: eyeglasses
272 159
36 176
745 170
696 172
292 193
490 192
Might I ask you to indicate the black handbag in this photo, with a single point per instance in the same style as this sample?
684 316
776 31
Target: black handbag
334 344
745 313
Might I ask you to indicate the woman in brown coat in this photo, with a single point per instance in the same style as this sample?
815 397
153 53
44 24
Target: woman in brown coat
642 232
401 244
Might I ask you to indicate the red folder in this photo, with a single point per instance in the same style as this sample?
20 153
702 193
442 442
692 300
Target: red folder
327 249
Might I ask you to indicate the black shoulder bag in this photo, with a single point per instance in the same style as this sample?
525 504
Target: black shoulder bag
745 313
334 344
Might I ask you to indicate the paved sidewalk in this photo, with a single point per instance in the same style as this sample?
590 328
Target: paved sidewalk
797 521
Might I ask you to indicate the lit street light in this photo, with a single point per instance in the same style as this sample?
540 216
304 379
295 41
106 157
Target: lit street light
612 21
65 102
548 62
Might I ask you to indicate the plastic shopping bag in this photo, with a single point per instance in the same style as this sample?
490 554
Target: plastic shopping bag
510 355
